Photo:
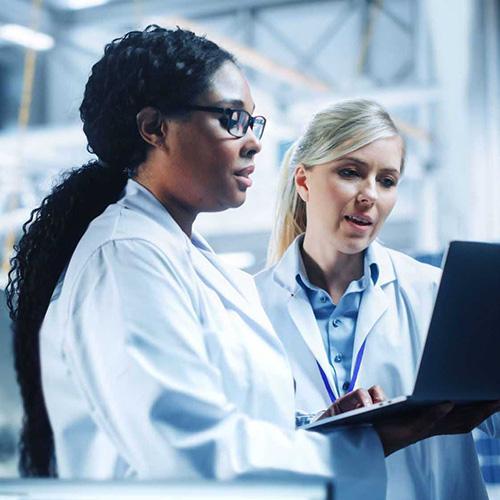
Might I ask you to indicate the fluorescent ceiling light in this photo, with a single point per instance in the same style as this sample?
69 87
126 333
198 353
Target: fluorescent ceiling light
83 4
26 37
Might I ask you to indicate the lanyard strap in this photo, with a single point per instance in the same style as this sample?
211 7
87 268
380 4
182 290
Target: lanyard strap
327 384
357 365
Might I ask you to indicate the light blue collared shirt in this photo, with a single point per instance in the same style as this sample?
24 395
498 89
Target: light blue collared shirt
337 322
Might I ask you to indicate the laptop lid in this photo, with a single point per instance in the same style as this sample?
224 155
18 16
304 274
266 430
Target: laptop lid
461 357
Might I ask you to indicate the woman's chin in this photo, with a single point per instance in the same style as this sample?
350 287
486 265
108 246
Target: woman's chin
233 201
355 245
238 199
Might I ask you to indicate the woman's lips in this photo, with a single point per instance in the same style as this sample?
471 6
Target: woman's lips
244 181
243 176
358 222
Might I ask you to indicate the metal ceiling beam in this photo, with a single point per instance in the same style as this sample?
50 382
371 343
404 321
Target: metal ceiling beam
391 97
254 59
397 21
306 58
327 35
124 11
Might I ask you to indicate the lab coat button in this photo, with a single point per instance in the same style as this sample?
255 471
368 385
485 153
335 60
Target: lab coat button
345 386
336 323
338 358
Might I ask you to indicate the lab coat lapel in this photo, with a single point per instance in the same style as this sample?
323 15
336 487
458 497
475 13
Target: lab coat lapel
374 301
299 307
302 315
233 286
372 307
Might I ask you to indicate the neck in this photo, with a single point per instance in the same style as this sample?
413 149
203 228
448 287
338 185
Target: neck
182 215
328 268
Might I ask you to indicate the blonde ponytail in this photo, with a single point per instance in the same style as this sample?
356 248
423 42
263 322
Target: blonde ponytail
290 210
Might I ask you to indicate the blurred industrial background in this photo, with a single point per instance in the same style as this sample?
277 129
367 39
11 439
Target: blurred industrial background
433 63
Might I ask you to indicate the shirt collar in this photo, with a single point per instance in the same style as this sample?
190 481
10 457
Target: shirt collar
369 263
377 265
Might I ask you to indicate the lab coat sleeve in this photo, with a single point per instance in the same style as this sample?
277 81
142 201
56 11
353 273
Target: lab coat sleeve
135 346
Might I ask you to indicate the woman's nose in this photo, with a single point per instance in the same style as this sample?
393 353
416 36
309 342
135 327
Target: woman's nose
252 145
368 192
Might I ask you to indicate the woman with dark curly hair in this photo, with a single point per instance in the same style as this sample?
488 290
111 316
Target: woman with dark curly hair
138 353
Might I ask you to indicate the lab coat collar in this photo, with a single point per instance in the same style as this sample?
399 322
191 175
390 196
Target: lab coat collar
286 269
373 303
371 272
234 286
302 314
379 254
140 199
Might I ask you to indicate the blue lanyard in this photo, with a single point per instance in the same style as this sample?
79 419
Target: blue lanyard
359 358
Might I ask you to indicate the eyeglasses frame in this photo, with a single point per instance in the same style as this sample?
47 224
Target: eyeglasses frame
228 112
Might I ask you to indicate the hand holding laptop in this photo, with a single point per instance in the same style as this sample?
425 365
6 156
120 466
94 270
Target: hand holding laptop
459 362
465 418
399 432
444 418
403 430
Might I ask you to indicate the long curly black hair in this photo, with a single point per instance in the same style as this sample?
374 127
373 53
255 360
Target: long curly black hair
155 67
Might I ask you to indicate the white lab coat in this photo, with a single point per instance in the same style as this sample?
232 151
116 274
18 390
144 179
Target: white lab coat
393 318
158 361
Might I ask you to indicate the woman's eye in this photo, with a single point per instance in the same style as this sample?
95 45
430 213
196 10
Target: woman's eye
348 172
388 182
224 121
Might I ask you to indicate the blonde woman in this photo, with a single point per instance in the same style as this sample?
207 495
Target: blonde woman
350 312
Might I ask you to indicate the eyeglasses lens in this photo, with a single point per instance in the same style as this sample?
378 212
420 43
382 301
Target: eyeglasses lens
239 123
259 123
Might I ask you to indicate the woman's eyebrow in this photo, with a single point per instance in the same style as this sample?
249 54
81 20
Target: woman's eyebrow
391 170
354 160
365 164
233 103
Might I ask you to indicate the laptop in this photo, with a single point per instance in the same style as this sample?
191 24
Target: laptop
460 361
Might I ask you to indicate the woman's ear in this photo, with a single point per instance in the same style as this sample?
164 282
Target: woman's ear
301 182
152 126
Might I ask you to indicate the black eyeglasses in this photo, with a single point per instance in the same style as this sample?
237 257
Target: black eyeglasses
236 121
